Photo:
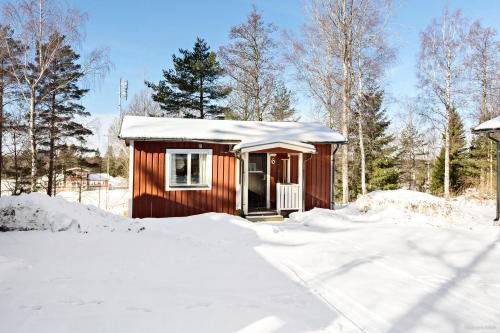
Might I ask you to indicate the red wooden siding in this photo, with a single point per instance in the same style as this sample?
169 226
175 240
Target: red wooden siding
294 169
317 178
150 198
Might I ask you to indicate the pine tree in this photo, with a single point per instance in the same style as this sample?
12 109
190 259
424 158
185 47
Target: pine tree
461 166
61 108
192 87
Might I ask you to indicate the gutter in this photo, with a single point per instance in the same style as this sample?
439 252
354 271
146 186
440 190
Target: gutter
242 171
304 181
332 175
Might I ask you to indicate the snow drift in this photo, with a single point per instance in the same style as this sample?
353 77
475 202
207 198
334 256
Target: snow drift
37 211
403 206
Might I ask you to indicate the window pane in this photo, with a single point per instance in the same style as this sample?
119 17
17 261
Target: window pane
203 169
195 169
179 169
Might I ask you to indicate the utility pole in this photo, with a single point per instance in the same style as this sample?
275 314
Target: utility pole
107 173
123 91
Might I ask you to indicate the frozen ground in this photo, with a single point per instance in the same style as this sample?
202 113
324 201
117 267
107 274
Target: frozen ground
388 263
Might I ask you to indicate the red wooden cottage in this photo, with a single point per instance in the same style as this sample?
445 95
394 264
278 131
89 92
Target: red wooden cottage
181 167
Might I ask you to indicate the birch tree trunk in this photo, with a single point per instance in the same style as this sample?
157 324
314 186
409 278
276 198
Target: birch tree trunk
1 120
448 106
360 127
52 134
446 186
346 100
346 34
362 155
32 136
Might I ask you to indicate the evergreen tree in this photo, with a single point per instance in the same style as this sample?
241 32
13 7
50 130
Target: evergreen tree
283 109
192 87
61 108
483 162
412 144
461 166
382 172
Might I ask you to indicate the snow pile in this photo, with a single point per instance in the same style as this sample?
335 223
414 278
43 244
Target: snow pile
340 271
422 206
401 206
411 201
37 211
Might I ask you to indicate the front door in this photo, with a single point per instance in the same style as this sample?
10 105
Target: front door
257 181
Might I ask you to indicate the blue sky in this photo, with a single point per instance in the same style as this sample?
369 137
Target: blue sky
142 36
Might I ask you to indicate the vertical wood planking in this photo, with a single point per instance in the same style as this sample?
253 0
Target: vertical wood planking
136 181
318 178
220 182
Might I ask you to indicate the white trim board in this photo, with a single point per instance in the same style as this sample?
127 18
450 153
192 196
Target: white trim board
131 178
170 151
268 181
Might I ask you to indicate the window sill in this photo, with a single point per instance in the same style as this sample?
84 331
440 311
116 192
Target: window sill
188 188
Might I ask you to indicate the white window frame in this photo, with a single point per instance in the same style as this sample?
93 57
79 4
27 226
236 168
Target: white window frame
168 163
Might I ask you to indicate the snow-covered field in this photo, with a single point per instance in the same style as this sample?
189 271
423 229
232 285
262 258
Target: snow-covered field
394 261
115 201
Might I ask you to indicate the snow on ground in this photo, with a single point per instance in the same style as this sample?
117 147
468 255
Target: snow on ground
364 268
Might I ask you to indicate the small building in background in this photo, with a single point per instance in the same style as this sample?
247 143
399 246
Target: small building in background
98 181
73 179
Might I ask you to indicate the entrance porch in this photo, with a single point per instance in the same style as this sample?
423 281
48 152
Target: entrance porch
272 178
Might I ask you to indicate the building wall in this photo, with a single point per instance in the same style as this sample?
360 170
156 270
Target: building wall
317 178
150 198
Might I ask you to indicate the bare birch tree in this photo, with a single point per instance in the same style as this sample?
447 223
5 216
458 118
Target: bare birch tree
483 64
35 23
7 86
440 72
250 62
483 61
372 54
336 35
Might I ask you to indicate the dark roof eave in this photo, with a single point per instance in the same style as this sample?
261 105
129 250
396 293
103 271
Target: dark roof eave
485 130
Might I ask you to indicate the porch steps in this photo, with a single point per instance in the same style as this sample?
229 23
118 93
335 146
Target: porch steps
265 218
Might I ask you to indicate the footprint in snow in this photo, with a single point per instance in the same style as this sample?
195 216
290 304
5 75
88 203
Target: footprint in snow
139 309
31 307
198 305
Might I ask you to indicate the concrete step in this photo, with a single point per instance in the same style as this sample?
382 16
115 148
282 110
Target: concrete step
264 218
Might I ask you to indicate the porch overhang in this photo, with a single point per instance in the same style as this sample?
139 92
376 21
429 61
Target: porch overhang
267 145
491 129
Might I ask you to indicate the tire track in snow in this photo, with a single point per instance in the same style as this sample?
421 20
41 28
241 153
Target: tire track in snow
426 283
329 295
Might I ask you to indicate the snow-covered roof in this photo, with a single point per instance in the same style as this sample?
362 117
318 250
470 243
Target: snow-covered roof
491 125
155 128
98 176
246 146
